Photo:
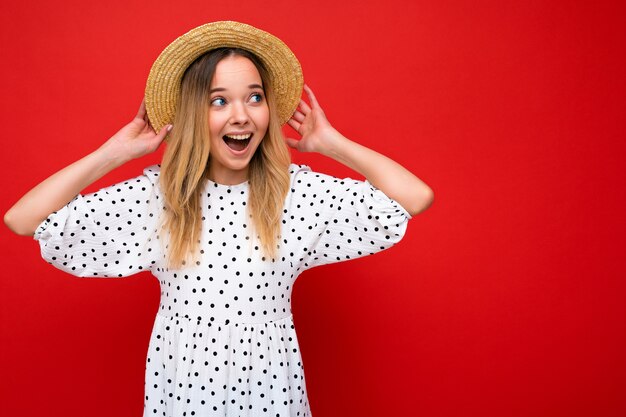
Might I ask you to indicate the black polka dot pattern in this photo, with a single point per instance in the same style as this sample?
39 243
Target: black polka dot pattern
109 233
223 341
335 220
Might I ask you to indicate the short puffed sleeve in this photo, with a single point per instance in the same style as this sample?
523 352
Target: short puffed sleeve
337 220
109 233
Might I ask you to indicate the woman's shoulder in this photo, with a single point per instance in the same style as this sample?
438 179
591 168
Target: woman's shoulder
305 178
296 168
300 173
303 170
152 172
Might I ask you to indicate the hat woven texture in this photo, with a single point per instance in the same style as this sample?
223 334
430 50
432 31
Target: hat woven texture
163 85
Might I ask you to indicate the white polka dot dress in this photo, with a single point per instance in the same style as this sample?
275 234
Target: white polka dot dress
223 341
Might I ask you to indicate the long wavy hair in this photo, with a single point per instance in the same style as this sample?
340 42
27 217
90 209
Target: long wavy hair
187 158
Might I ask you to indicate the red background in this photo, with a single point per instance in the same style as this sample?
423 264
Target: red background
506 297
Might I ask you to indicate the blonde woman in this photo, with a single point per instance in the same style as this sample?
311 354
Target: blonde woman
226 222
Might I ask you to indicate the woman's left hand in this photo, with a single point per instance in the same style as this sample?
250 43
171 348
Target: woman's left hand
311 123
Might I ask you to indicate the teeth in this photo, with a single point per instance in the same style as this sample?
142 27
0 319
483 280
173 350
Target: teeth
240 137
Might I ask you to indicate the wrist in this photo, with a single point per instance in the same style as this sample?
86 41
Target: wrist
109 157
332 144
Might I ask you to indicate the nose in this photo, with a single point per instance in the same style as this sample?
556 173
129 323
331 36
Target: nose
239 113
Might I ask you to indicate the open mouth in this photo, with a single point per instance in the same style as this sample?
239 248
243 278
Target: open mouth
237 142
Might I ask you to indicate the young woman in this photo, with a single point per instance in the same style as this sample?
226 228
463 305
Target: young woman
226 222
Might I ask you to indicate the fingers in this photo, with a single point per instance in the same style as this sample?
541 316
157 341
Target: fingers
298 116
292 143
314 104
305 107
295 124
141 113
163 133
312 98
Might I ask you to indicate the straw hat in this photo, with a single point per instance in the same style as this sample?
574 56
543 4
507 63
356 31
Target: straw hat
163 85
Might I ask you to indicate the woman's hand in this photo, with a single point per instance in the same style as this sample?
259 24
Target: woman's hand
311 123
382 172
136 139
132 141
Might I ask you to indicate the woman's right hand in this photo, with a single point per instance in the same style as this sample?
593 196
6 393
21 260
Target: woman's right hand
136 139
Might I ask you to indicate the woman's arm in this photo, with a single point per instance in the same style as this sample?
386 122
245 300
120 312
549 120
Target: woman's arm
55 192
134 140
382 172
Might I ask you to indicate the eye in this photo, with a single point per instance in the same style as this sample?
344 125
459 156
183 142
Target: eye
259 95
216 101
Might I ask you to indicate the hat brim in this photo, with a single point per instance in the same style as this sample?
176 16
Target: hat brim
163 84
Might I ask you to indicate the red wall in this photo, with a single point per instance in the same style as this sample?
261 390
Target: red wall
506 297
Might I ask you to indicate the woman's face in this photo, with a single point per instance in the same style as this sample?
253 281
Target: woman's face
237 107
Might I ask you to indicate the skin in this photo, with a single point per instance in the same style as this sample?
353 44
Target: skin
135 140
317 135
241 112
238 108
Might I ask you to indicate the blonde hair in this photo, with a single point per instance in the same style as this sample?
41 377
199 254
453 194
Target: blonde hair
186 161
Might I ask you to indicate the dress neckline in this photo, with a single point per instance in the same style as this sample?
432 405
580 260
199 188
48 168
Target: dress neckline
224 187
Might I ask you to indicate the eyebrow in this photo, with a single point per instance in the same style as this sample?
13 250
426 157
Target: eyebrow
251 86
